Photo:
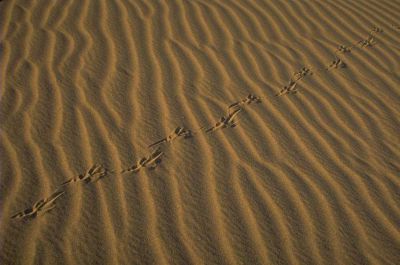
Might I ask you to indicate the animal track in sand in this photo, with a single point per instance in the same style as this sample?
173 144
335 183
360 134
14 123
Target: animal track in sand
288 89
343 49
135 168
370 41
40 207
246 101
296 77
228 121
153 159
150 162
376 29
335 64
303 72
95 173
178 132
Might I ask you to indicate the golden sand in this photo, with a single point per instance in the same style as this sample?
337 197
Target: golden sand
200 132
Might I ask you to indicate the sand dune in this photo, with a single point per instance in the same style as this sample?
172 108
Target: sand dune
275 127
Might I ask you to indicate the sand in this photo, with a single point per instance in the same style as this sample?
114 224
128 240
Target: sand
303 171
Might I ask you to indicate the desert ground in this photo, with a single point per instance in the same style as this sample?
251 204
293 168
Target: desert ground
200 132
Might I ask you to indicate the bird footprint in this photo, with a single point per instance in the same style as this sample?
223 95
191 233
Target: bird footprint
40 207
337 63
95 173
150 161
224 122
246 101
178 132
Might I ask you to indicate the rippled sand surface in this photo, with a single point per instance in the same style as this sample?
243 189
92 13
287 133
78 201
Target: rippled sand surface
287 151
